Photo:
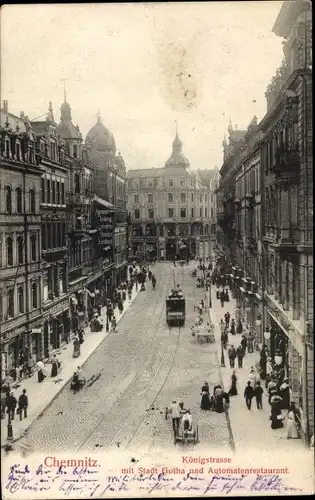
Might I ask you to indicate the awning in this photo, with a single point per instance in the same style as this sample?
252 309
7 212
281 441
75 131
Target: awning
242 289
258 296
106 204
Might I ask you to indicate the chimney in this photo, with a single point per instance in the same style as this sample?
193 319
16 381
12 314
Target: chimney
5 106
22 115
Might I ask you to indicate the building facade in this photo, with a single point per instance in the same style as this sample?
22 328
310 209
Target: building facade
287 199
110 186
170 209
20 240
271 249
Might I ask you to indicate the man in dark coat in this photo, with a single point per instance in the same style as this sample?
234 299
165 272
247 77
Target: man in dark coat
232 356
222 298
248 395
240 356
227 318
23 404
11 405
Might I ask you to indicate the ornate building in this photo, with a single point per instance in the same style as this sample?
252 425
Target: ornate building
170 209
271 246
287 200
53 160
20 240
110 187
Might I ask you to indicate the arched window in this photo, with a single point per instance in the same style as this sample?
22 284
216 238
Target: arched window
18 193
33 247
8 200
19 244
34 296
32 201
10 303
75 151
21 299
9 251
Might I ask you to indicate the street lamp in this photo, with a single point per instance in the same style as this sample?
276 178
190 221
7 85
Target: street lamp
10 428
222 356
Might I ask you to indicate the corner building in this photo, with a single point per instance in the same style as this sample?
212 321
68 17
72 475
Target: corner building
170 209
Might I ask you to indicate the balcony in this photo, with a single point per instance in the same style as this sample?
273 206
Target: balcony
79 199
286 166
286 240
250 200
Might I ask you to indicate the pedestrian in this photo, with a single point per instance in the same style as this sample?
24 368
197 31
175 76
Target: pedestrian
239 328
272 389
224 339
252 377
248 395
292 423
23 404
232 356
240 356
11 405
80 335
284 393
276 416
226 295
41 373
244 343
232 329
113 324
233 389
222 326
258 392
54 366
250 342
222 298
76 348
175 414
227 318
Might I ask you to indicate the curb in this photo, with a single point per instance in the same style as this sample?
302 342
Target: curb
226 411
9 443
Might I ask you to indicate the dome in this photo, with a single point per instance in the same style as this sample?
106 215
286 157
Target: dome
100 137
177 159
120 161
66 129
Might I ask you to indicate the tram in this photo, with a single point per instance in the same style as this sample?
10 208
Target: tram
175 308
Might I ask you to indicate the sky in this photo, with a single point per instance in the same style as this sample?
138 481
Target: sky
144 67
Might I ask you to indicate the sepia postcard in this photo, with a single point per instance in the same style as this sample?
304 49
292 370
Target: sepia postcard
156 250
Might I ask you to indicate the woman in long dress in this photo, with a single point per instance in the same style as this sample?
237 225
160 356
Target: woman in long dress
276 415
292 423
54 366
205 400
76 348
233 389
218 399
284 393
41 371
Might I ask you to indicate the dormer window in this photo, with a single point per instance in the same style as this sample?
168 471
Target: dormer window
7 149
75 151
53 151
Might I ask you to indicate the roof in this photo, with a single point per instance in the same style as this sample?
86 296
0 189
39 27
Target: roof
287 14
206 176
13 121
157 172
67 130
177 159
100 137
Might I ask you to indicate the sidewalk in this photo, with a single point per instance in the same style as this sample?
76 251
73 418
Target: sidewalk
41 395
250 428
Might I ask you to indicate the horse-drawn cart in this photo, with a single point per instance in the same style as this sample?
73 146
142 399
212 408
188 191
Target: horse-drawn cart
204 334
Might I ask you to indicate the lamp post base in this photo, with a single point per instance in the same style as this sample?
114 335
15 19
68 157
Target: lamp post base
10 432
222 360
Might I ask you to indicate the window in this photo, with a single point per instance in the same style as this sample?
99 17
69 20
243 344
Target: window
34 296
200 197
19 244
206 198
75 151
193 212
136 198
192 196
53 185
10 298
32 201
183 213
33 247
170 197
170 183
9 251
43 190
137 214
182 182
201 212
151 213
8 200
62 193
49 238
58 193
18 193
76 183
182 197
206 212
48 191
171 212
150 198
21 299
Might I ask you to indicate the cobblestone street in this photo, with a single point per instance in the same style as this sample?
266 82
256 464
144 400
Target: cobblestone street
142 368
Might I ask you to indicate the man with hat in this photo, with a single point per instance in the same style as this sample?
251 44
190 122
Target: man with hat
175 414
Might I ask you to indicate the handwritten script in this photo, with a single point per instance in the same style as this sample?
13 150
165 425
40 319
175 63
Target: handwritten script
93 482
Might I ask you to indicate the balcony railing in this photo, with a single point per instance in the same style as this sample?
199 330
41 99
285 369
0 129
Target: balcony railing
286 165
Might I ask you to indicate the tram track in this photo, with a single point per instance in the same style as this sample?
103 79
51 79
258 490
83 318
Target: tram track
124 393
